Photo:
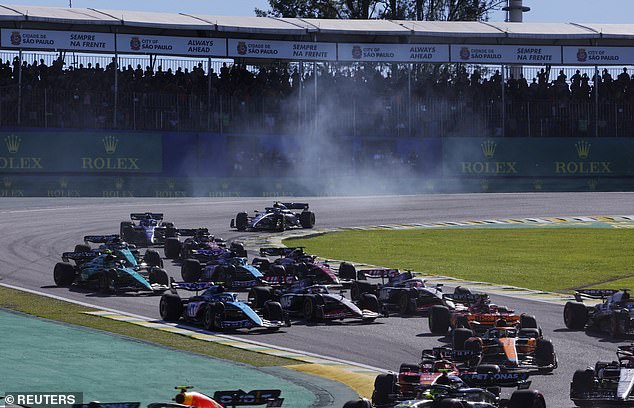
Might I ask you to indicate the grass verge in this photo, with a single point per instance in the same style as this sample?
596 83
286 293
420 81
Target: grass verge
66 312
535 258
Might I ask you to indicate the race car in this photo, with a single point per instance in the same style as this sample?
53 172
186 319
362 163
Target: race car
613 315
216 309
232 272
401 292
292 265
508 347
316 303
149 230
193 399
607 383
128 252
108 273
278 218
473 390
201 245
473 311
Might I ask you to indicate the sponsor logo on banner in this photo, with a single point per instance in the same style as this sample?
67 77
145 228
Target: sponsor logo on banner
16 38
13 162
583 166
119 191
242 48
8 190
488 165
357 53
135 44
465 54
582 55
110 144
171 190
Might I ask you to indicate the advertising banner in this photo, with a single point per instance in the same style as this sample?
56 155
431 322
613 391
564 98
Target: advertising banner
393 52
287 50
523 157
82 152
57 40
598 55
506 54
162 45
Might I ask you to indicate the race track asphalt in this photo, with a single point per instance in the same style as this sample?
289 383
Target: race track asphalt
36 231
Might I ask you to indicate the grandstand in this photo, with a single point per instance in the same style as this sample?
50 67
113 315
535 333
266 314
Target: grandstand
383 94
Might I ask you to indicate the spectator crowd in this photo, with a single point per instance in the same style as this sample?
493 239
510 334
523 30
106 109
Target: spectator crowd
386 100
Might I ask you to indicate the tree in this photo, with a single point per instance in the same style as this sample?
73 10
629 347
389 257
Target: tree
432 10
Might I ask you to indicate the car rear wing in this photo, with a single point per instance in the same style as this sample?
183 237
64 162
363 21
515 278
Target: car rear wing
380 273
190 286
100 239
447 353
508 379
142 216
284 251
235 398
466 298
296 206
190 232
595 293
80 256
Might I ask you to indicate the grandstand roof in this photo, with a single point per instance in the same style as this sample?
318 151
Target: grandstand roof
314 29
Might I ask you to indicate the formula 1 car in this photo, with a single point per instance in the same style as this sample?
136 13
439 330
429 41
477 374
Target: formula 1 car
509 348
277 218
128 252
108 273
232 272
473 390
475 312
316 303
607 384
201 245
193 399
216 309
402 291
221 399
612 315
292 265
150 229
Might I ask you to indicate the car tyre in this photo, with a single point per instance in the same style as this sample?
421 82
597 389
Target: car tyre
439 321
307 219
384 389
170 307
172 248
242 221
63 274
191 271
527 399
152 258
575 315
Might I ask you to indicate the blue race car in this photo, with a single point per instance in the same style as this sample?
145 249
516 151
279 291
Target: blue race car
232 272
215 309
108 273
279 218
146 229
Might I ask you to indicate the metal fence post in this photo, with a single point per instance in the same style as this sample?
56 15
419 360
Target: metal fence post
20 88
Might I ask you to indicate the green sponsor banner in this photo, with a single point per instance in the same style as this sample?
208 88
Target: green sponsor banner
80 152
538 157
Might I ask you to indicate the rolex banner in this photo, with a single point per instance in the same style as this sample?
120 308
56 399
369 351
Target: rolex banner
79 152
543 157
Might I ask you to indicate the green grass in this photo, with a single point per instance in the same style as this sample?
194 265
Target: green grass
71 313
536 258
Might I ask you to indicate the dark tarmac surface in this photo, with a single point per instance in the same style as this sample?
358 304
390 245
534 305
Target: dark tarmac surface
37 231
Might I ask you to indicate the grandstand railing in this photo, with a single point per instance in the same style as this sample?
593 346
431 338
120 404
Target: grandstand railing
387 116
